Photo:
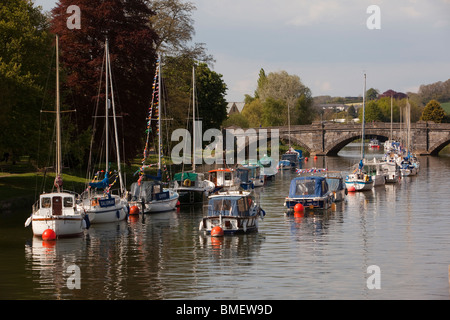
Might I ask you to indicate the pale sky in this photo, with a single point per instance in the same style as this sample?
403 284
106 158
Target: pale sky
325 42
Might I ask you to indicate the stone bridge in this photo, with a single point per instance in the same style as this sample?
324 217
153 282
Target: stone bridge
325 138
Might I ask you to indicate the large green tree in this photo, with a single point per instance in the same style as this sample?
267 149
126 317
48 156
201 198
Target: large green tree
25 60
433 112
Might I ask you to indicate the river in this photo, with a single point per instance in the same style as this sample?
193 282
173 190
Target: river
403 230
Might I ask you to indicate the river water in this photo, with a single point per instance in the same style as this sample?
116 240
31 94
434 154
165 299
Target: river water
402 229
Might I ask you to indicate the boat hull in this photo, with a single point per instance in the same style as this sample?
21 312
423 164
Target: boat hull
310 203
191 196
230 224
63 226
161 205
106 214
359 185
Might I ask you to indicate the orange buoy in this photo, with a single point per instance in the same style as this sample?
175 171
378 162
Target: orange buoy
217 231
48 234
315 157
351 189
298 207
134 210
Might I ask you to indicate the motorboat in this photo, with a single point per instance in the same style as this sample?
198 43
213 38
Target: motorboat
231 211
310 191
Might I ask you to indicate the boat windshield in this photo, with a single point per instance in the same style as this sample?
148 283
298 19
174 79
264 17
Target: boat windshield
229 206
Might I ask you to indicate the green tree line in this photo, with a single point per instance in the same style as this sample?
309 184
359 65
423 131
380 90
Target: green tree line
137 32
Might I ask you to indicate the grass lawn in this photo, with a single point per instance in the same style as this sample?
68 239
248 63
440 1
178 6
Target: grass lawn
446 107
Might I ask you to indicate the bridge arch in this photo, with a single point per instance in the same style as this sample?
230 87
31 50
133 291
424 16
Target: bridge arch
295 140
438 146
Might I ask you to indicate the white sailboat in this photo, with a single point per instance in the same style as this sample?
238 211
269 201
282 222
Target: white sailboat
375 170
150 196
409 165
191 186
359 180
57 210
97 200
389 164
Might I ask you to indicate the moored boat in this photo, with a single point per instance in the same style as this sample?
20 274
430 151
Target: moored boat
192 187
310 191
232 212
58 210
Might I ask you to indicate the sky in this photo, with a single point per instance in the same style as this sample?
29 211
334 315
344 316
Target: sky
329 44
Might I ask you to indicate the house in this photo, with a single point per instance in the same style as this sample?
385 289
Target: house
235 107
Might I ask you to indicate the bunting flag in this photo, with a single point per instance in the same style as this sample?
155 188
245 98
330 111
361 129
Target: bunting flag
311 170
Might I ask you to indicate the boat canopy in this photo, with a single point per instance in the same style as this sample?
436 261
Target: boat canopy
181 176
335 183
236 206
101 184
308 187
148 191
243 173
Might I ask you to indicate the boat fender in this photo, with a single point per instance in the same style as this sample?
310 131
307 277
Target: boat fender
27 223
187 183
117 214
366 178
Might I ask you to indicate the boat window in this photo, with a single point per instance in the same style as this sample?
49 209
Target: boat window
242 205
324 187
156 188
222 205
46 202
227 175
68 202
306 187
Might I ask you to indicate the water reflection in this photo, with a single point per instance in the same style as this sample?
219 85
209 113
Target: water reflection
402 228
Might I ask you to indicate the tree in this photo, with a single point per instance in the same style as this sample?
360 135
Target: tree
25 61
211 91
433 112
274 112
285 90
373 112
371 94
175 28
253 112
131 41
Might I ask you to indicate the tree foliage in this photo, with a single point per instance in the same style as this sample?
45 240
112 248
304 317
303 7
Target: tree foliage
278 93
25 60
131 41
433 112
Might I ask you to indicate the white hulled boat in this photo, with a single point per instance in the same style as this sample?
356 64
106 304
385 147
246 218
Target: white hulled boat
149 193
359 180
97 200
58 210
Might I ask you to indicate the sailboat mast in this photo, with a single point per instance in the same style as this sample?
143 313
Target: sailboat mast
390 138
193 119
106 106
58 119
159 112
363 117
119 169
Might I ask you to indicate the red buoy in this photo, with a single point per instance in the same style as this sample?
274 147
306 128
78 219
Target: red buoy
298 207
134 210
351 189
217 231
48 234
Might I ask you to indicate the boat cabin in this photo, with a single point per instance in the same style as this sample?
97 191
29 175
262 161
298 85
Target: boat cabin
308 187
236 206
56 204
148 191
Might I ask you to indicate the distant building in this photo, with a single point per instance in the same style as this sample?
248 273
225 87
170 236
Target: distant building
235 107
